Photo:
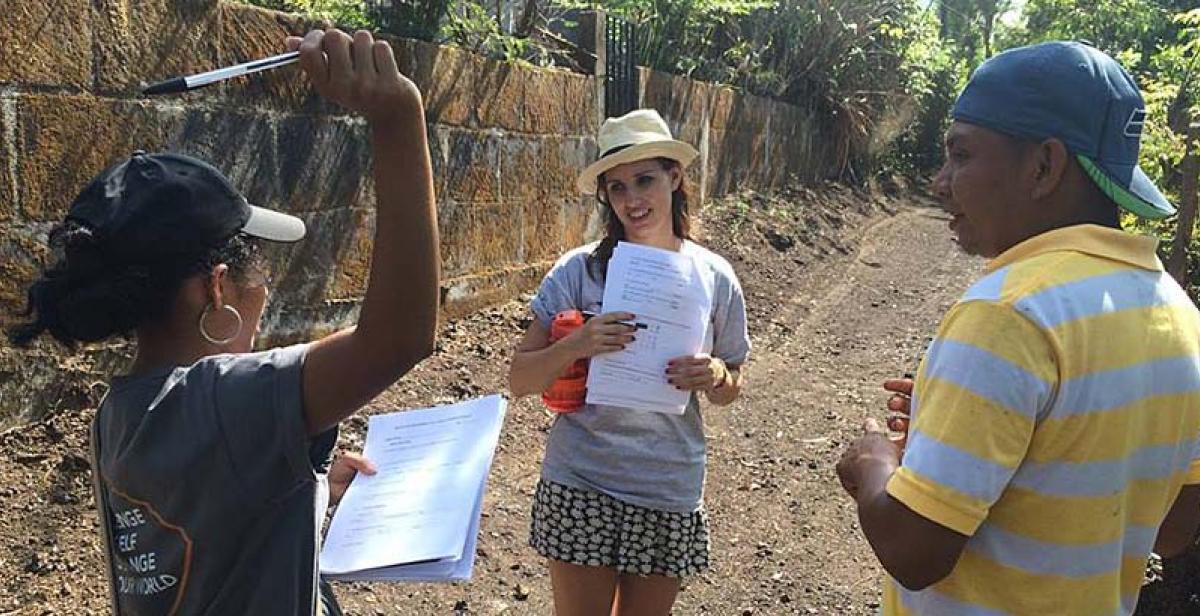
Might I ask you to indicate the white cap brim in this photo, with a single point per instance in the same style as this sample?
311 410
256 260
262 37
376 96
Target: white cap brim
273 226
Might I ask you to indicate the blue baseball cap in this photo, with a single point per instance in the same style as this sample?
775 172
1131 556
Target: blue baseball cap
1079 95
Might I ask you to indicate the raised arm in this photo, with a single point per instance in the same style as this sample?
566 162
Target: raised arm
396 325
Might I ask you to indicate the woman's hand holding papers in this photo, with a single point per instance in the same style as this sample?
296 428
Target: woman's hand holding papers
343 471
601 334
537 362
697 373
703 372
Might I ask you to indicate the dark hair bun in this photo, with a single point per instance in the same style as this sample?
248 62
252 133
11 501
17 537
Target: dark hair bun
79 249
83 297
87 296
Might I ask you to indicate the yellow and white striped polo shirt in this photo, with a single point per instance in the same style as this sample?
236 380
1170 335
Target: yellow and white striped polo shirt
1056 417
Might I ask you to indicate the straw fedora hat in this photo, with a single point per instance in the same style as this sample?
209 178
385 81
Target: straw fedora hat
637 135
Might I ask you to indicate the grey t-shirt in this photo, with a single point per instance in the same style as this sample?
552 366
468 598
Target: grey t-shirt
212 488
653 460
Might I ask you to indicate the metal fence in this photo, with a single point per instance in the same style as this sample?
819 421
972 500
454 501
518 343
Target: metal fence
414 19
620 85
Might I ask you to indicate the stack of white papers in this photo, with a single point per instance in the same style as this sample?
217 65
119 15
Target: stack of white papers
671 296
417 519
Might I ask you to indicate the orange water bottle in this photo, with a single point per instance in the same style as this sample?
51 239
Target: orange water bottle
567 393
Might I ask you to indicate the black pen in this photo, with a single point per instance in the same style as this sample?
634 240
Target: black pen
192 82
636 324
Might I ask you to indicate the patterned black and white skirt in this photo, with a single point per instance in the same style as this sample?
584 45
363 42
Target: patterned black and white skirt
596 530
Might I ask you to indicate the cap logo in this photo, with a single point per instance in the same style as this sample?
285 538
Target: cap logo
1135 123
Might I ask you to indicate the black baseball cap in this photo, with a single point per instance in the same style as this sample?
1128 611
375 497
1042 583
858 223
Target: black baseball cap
171 207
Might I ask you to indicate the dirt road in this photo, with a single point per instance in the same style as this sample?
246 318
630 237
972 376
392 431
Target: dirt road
831 321
843 288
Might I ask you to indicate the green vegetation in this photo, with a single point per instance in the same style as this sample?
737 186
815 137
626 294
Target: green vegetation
517 33
347 13
855 61
1157 41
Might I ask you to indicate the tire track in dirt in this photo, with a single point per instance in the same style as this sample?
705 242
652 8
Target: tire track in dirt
789 537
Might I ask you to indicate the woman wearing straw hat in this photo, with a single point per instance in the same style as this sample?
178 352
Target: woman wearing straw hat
619 511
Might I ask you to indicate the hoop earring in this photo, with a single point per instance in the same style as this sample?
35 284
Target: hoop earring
221 341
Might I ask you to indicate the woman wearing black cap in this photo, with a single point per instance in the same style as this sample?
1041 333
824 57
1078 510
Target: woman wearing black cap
207 456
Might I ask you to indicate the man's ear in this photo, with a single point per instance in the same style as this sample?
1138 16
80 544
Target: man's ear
1049 162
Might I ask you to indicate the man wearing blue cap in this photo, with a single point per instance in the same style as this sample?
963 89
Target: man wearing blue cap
1056 415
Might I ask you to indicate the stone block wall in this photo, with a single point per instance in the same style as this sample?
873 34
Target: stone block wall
506 142
744 141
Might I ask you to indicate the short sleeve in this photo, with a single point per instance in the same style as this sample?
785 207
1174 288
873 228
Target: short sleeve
731 340
986 379
258 400
561 288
